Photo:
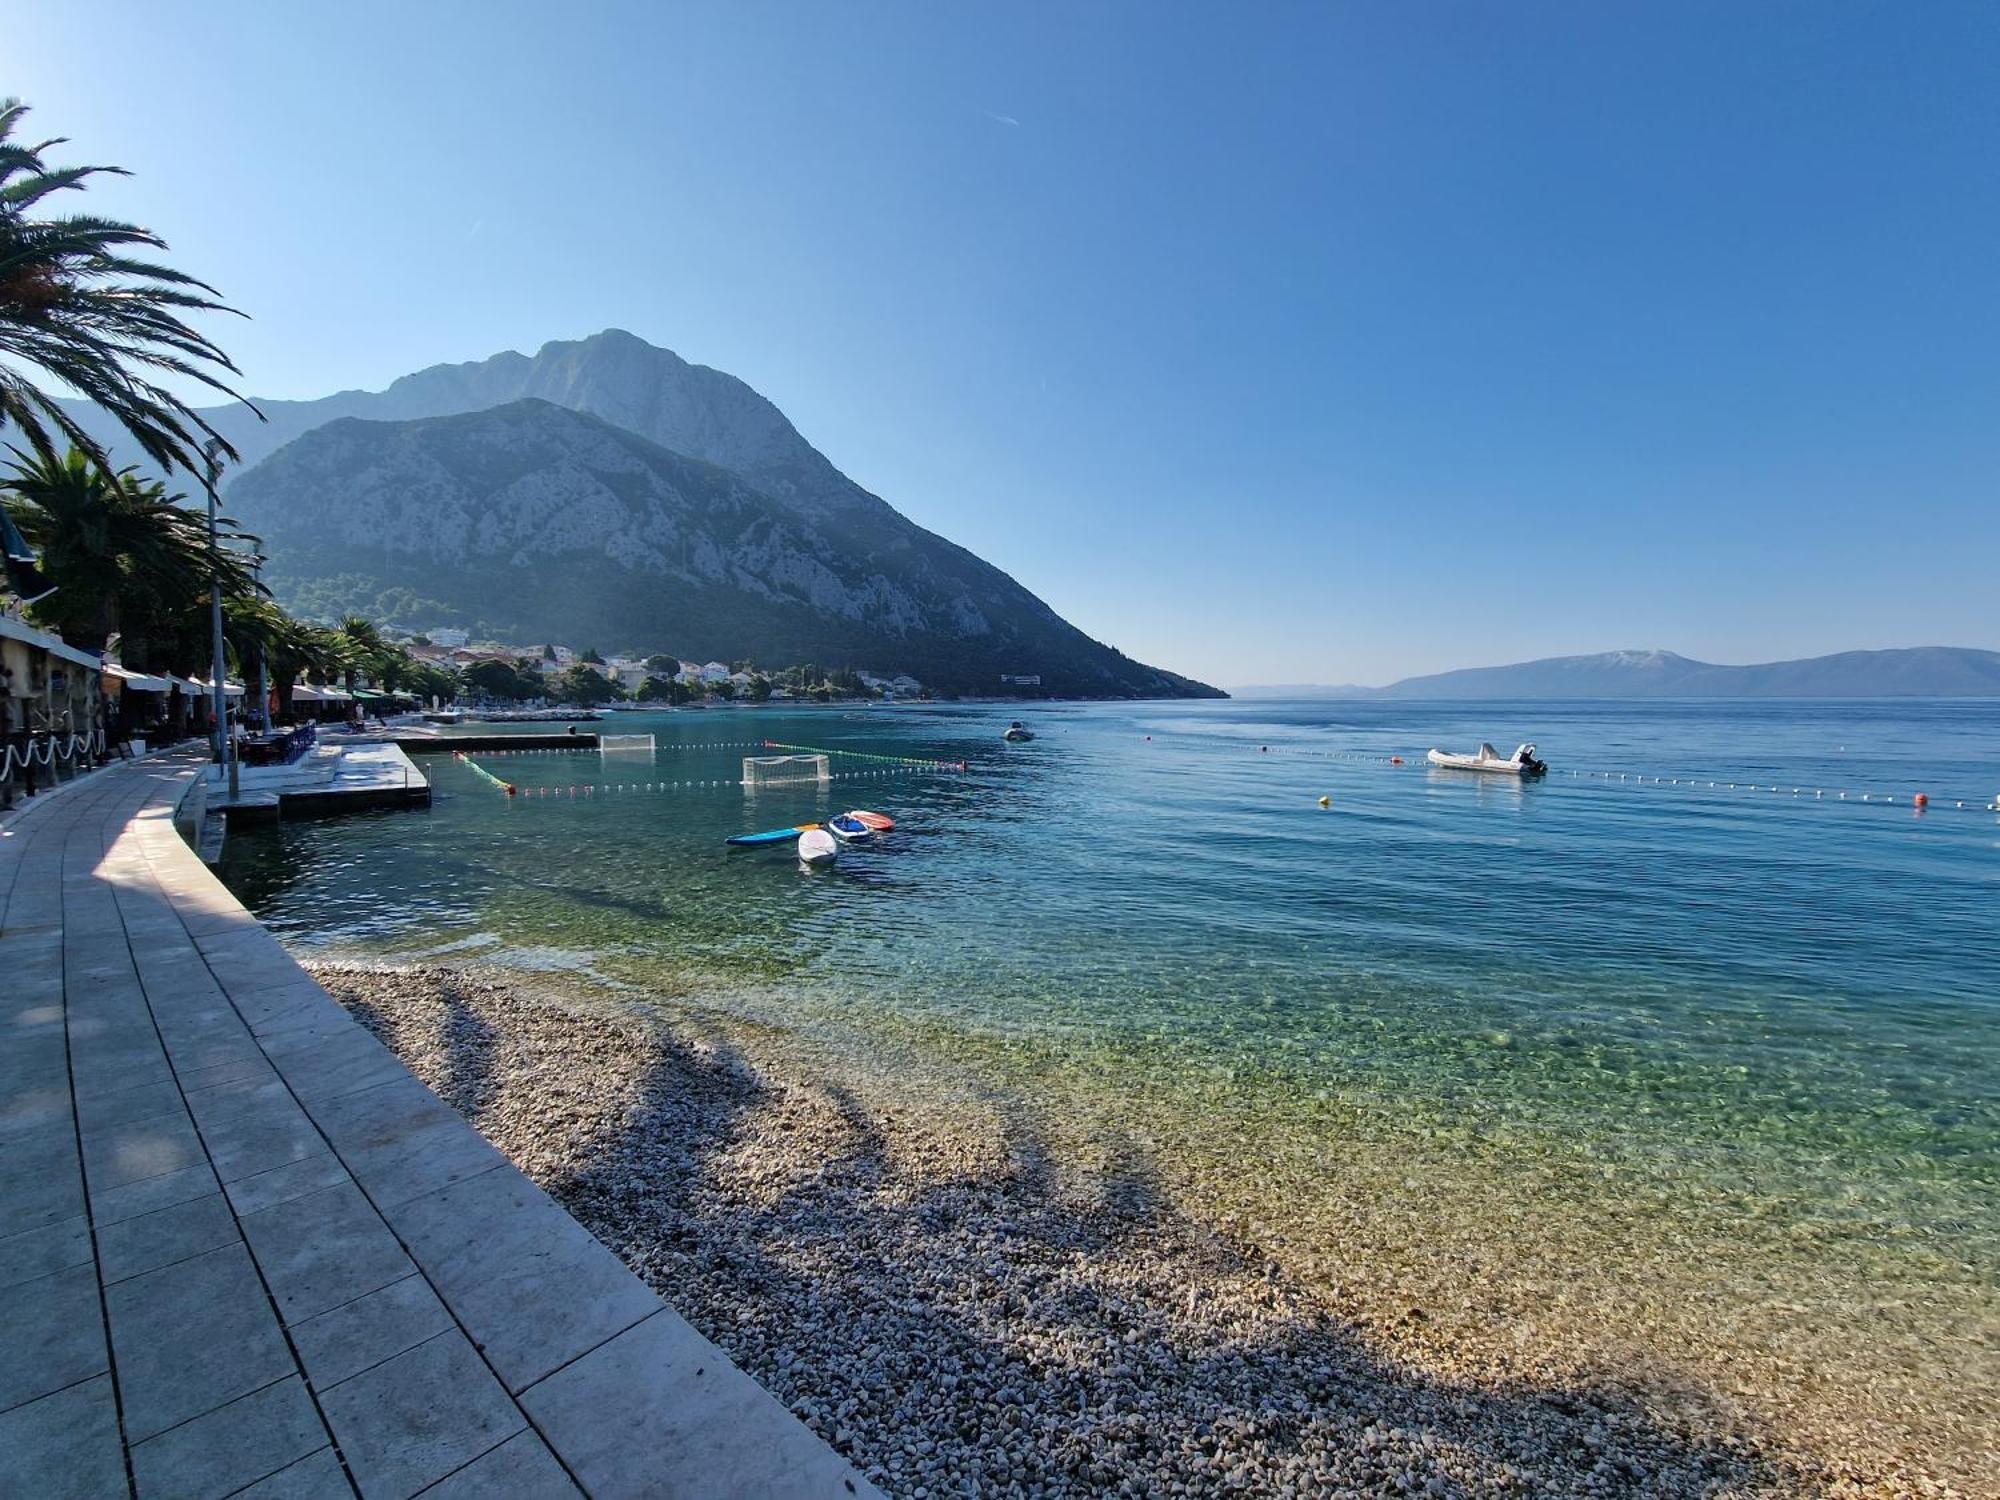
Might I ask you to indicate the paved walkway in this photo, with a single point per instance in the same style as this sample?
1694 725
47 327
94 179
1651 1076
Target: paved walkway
243 1251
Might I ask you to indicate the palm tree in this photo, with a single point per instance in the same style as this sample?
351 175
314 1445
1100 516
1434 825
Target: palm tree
366 650
77 306
123 555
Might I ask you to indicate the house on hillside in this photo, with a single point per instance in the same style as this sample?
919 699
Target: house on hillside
902 685
715 671
444 636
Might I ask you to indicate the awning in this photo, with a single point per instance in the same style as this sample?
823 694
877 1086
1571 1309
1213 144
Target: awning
141 681
229 689
21 630
305 692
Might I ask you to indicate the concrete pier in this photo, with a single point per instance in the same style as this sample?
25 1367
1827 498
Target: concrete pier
330 777
243 1251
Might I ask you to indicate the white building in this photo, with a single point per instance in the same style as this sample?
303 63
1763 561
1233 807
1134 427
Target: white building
715 671
441 636
902 685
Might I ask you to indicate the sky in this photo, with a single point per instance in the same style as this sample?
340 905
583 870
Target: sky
1272 344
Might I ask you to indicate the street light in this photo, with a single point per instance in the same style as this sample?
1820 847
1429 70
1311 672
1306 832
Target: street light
212 451
263 661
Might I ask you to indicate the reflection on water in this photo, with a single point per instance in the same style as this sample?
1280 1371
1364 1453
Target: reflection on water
1797 998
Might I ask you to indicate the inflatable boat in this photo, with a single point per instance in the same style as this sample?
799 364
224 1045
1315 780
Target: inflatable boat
1521 763
849 829
1018 731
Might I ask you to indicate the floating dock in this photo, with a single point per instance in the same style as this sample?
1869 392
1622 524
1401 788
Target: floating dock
332 777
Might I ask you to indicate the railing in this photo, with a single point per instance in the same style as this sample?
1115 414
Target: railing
24 750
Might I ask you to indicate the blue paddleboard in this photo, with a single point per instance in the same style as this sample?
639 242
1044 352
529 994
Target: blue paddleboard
775 836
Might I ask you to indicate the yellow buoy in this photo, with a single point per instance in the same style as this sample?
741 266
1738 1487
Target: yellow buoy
1326 802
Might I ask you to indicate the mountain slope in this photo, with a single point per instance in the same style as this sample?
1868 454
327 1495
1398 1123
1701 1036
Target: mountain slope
691 409
531 521
1915 672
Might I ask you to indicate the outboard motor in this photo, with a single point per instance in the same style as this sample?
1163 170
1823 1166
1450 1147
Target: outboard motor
1526 756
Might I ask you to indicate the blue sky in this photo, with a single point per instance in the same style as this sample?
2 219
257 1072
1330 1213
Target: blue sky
1316 343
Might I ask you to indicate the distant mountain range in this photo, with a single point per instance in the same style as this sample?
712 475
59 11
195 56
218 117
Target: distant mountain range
606 493
1916 672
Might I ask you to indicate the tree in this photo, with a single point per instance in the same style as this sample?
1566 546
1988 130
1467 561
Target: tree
590 655
77 306
494 678
585 684
760 689
666 666
723 689
367 654
125 557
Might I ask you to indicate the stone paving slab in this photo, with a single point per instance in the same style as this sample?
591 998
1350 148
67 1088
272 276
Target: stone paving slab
244 1252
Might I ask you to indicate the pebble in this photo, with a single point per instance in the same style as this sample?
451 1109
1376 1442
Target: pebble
961 1317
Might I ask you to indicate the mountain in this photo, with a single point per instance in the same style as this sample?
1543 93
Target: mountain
1915 672
614 375
531 521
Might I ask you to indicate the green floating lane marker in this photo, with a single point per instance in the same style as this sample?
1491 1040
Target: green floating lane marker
478 770
894 760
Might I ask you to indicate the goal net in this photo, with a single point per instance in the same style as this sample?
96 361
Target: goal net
610 743
784 770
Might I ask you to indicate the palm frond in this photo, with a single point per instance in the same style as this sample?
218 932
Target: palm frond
77 306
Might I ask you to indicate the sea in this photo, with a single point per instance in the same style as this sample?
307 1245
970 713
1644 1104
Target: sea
1718 973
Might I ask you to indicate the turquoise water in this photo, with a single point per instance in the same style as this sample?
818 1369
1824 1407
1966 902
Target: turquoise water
1796 996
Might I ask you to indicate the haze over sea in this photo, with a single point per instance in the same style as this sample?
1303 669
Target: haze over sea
1746 1041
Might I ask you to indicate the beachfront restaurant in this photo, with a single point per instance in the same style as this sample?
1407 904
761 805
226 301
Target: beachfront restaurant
51 709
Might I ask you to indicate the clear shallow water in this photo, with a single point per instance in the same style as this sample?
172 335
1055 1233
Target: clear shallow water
1796 1000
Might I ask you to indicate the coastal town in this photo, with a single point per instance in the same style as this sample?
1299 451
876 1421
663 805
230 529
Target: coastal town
491 671
593 904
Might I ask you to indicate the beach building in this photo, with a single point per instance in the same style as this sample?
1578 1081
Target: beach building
51 708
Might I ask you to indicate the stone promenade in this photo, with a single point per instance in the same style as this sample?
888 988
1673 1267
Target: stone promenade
244 1252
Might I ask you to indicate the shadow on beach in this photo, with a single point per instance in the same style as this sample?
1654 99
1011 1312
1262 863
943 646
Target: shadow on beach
992 1327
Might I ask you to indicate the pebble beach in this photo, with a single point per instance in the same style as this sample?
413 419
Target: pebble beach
966 1297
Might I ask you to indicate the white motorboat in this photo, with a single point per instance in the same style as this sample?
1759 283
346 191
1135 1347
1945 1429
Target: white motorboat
1521 763
1017 731
818 847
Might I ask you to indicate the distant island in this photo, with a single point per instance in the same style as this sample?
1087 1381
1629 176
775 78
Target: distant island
1913 672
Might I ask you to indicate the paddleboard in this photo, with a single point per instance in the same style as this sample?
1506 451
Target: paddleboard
773 836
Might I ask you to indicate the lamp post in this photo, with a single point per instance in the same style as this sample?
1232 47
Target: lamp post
212 452
263 666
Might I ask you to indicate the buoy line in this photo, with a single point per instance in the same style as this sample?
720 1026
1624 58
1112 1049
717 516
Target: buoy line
900 760
478 770
565 791
1920 801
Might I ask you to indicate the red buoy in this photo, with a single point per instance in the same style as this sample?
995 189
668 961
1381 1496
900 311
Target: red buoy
1922 799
